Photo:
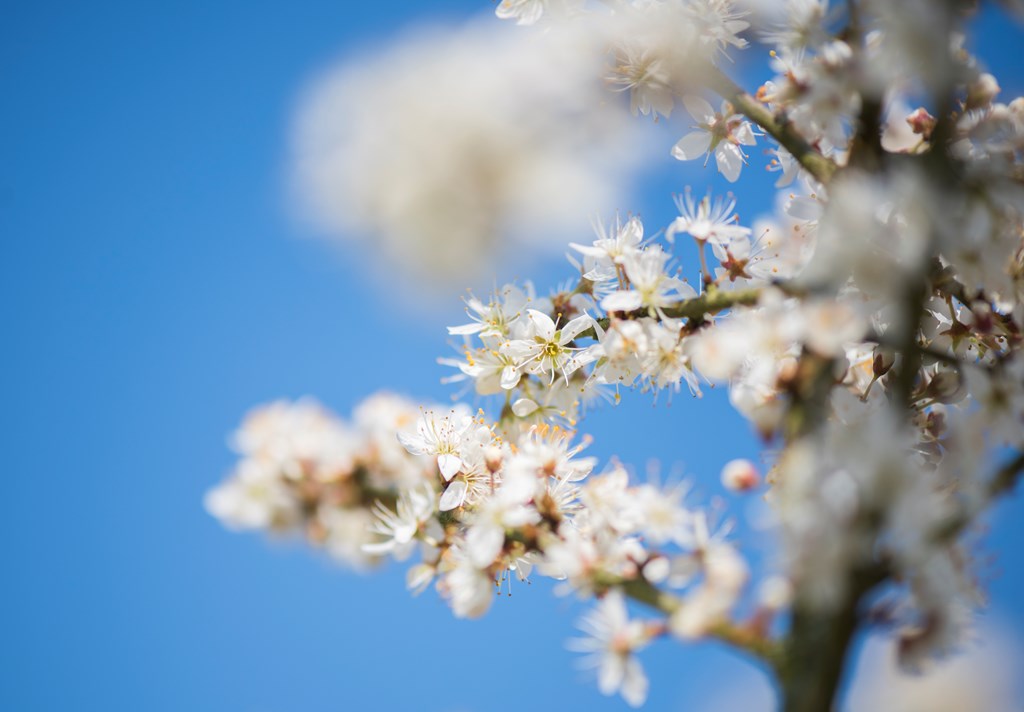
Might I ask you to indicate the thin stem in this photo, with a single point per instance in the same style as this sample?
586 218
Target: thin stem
705 272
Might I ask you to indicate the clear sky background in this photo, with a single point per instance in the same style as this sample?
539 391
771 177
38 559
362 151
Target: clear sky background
154 286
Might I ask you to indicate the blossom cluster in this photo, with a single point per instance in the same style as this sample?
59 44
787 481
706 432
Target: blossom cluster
303 469
483 504
870 331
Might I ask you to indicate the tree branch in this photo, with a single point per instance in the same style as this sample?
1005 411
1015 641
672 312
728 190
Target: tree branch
819 643
745 639
782 131
711 301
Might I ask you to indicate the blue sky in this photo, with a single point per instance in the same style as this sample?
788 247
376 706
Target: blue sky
155 286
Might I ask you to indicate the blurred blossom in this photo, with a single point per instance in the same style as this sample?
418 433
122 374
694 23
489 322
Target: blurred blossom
979 678
454 143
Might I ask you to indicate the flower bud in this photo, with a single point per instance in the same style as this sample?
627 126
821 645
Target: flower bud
657 569
982 91
921 122
740 476
492 458
883 361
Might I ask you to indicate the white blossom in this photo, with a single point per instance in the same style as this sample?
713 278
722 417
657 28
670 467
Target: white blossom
721 133
612 639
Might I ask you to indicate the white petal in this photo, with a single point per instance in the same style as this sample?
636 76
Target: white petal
632 233
542 323
574 327
609 677
582 358
699 109
419 577
677 225
588 250
483 544
580 468
522 568
634 686
379 548
509 377
804 208
454 496
519 485
449 465
465 329
523 407
405 532
729 160
518 349
693 145
685 290
621 301
413 443
744 134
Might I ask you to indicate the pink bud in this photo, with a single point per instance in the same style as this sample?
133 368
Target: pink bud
921 122
740 476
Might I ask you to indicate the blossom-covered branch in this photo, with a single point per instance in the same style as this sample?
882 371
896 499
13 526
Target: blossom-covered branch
870 332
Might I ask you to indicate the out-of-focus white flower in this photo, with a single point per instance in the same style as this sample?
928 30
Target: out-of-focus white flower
449 142
347 532
775 593
468 588
875 229
795 23
611 640
377 419
725 574
255 498
300 438
981 677
663 518
414 509
641 70
506 508
718 24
